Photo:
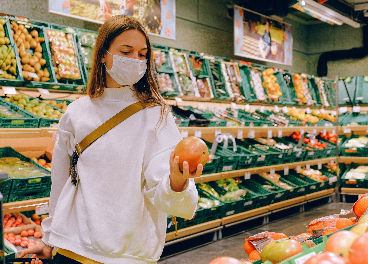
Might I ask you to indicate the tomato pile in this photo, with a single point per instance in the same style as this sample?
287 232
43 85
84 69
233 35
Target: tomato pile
329 136
317 144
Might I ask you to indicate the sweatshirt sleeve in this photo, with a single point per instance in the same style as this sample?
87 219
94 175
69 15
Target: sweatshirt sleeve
156 172
63 149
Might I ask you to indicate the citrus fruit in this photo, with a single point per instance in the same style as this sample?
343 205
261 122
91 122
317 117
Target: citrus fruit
248 247
192 150
359 229
329 231
361 206
358 253
343 222
340 242
278 236
327 258
254 255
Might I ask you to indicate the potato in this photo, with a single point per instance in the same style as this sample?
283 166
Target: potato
37 66
25 31
38 55
7 40
35 58
45 79
42 62
28 68
22 36
33 44
36 79
19 41
25 75
25 60
40 73
20 27
23 54
34 33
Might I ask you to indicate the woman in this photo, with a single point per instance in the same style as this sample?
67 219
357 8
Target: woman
129 177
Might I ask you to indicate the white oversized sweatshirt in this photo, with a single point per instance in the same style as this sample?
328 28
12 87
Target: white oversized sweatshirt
118 212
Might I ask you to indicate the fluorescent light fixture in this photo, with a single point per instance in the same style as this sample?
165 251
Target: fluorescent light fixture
327 13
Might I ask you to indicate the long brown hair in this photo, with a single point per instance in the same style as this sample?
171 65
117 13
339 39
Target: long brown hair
146 89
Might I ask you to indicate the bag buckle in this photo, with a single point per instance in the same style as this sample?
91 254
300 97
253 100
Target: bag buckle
73 168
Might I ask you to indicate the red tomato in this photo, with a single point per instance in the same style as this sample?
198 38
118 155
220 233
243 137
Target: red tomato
306 140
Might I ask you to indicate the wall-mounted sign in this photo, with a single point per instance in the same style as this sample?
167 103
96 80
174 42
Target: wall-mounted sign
157 15
262 38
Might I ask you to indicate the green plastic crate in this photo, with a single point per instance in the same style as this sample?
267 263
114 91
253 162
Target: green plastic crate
211 166
217 80
246 84
353 183
264 197
346 91
359 152
330 92
281 194
205 72
27 121
290 89
315 186
27 184
174 85
361 89
19 81
29 195
214 121
294 155
314 91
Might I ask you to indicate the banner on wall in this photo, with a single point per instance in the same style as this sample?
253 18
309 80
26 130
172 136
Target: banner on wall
262 38
157 15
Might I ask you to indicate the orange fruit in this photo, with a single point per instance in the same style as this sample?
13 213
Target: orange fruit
42 162
358 253
278 236
248 247
192 150
329 231
361 206
343 222
254 255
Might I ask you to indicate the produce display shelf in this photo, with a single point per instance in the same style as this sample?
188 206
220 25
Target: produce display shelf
237 217
348 160
287 203
356 129
26 205
353 191
193 230
240 173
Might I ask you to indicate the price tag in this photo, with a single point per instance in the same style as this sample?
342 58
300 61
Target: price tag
304 258
332 179
356 109
286 171
324 132
276 109
236 113
178 99
307 166
184 133
198 133
251 133
9 90
218 107
1 72
319 165
332 162
33 75
201 106
343 109
347 130
262 109
272 171
308 110
269 133
247 176
240 134
285 109
333 113
323 110
217 132
315 131
233 105
298 169
43 91
54 136
359 98
279 133
54 125
42 209
247 107
333 131
301 131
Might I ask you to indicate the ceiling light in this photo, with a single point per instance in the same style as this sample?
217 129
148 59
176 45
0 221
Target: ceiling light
303 3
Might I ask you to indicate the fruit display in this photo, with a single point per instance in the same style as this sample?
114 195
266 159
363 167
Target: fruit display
216 72
184 75
61 105
6 112
18 168
33 58
271 142
329 136
233 192
270 81
8 62
34 106
165 83
315 175
37 219
275 178
359 142
321 88
43 163
231 74
256 83
324 115
64 56
316 144
12 221
159 57
300 88
87 41
196 65
25 239
358 173
303 116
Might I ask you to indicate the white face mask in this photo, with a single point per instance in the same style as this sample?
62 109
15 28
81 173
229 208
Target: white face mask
127 71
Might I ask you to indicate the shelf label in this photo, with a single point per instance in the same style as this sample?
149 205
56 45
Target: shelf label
332 179
32 74
347 130
218 107
276 109
42 209
333 131
308 110
217 132
43 91
240 134
262 109
304 258
332 162
319 165
301 131
285 109
247 176
247 107
307 166
315 131
236 113
269 133
178 99
184 133
251 133
201 106
233 105
324 132
356 109
298 169
286 170
323 111
198 133
333 113
359 98
9 90
279 133
272 171
343 109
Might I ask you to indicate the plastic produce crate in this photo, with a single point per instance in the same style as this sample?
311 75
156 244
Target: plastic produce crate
19 80
217 81
27 121
330 149
17 186
286 156
165 79
359 152
264 196
330 92
361 88
346 90
46 122
314 91
29 195
194 118
294 155
211 166
290 89
181 121
314 186
303 186
205 68
246 84
281 194
353 183
214 121
354 118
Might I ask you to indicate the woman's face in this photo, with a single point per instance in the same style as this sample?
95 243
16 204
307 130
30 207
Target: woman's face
131 43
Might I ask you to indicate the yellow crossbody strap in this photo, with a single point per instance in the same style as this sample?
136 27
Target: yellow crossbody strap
108 125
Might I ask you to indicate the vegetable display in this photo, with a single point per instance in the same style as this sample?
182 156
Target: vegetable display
8 63
165 82
257 85
273 88
19 169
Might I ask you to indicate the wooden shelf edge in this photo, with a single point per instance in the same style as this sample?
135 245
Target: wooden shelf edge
193 229
239 173
286 203
355 191
312 196
244 215
26 205
348 160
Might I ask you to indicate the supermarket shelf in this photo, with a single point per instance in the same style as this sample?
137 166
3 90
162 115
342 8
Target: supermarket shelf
354 129
287 204
27 132
353 191
239 173
193 230
23 205
319 195
348 160
248 214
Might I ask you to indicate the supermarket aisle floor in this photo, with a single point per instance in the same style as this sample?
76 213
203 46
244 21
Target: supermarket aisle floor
232 245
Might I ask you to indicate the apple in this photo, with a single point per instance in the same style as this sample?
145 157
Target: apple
327 258
340 242
363 219
359 229
279 250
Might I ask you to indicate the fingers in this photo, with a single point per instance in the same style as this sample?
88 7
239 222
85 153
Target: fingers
198 172
24 252
186 170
